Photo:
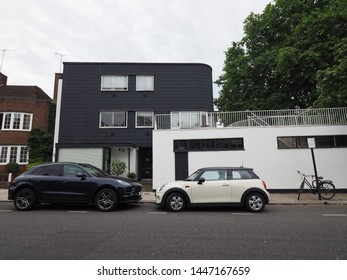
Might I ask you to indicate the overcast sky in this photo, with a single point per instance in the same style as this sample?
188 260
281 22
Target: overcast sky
33 31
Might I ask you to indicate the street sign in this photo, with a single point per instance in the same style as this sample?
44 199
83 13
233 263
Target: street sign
311 143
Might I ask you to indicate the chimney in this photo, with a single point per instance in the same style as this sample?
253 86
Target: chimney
3 80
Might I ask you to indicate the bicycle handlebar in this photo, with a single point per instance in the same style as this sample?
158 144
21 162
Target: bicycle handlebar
312 176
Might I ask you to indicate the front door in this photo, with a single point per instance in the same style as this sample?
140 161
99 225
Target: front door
146 163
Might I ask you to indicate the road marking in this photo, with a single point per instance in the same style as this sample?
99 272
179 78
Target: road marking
334 215
157 213
242 214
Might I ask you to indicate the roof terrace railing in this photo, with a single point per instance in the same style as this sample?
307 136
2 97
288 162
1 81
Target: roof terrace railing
263 118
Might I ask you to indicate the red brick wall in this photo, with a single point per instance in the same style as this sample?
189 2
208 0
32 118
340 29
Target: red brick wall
40 111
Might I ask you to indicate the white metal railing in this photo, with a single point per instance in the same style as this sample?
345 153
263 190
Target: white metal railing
294 117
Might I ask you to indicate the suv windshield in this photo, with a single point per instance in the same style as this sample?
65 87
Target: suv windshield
94 170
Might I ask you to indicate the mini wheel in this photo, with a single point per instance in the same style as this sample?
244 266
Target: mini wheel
255 202
106 200
176 202
25 200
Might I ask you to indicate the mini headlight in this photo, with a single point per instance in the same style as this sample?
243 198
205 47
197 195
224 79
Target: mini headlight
162 187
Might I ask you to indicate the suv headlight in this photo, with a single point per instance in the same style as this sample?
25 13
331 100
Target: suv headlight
124 183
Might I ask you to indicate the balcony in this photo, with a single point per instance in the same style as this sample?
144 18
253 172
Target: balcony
264 118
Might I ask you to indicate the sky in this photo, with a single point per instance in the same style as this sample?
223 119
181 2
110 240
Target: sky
37 34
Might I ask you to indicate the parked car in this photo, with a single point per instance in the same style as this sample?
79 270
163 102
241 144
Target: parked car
72 183
217 185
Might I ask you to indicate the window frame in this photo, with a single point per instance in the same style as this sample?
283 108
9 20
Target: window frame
16 121
322 142
15 153
113 119
114 83
144 112
143 81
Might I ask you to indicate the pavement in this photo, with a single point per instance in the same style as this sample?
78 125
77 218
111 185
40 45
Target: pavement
275 198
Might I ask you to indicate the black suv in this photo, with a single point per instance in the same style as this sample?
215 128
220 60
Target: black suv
72 183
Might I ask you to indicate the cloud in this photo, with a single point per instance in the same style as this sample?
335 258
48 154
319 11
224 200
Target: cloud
116 30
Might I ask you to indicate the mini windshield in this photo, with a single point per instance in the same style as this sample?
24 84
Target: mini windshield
193 176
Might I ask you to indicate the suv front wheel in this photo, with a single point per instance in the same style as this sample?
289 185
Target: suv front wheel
255 202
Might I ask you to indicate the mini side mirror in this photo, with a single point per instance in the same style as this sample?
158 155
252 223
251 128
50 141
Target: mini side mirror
201 180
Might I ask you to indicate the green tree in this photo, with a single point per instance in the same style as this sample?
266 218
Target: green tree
40 145
292 54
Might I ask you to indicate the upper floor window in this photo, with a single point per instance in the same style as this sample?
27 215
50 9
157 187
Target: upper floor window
144 119
15 121
113 119
17 154
114 83
145 83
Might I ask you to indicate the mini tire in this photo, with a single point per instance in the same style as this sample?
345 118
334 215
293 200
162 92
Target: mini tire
24 200
255 202
176 202
106 200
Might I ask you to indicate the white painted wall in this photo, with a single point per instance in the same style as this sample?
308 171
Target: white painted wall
277 167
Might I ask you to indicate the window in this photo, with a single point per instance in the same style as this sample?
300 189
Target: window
300 142
71 170
144 119
222 144
17 154
145 83
214 175
113 119
49 170
15 121
114 83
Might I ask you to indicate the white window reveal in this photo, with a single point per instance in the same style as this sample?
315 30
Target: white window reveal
15 121
144 119
116 119
114 83
145 83
17 154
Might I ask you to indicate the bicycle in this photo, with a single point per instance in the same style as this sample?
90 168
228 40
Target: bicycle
324 188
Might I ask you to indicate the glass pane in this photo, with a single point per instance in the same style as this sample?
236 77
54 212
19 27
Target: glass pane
119 119
3 154
13 154
16 121
106 119
7 123
23 155
26 121
144 83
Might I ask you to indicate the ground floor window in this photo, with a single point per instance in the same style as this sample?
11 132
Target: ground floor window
219 144
17 154
322 141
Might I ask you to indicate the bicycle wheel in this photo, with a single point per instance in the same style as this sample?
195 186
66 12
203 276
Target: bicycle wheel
327 190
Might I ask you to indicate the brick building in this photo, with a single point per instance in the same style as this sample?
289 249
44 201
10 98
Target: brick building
22 108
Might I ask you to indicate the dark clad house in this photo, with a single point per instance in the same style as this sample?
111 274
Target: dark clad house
106 110
22 108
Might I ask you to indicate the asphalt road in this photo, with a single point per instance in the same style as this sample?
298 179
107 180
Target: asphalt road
143 231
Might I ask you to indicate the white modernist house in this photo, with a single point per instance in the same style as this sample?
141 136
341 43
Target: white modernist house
274 143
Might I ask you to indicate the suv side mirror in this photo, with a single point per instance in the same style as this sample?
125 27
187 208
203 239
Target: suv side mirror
201 180
81 175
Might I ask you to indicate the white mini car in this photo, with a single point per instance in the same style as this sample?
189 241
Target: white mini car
215 185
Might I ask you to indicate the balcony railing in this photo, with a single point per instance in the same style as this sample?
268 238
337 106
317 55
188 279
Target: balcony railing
295 117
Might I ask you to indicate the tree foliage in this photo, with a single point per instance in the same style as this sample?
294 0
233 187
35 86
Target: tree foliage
292 54
40 145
